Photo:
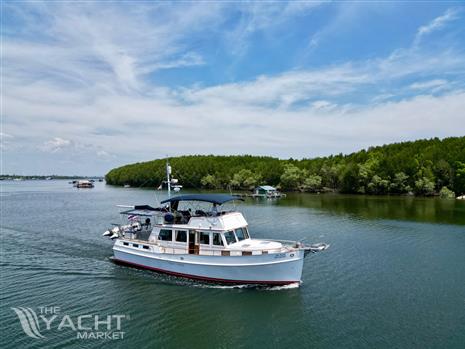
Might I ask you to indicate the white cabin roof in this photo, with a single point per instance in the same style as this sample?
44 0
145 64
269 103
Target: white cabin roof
266 187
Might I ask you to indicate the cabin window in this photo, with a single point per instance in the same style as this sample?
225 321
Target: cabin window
135 245
165 235
181 236
125 244
146 247
205 238
217 239
230 237
241 234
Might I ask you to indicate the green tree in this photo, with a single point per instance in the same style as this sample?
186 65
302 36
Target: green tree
398 165
399 184
292 177
443 173
210 182
424 186
459 183
245 179
312 183
446 193
350 179
378 185
330 175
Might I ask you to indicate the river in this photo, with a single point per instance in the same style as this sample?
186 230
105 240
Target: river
394 276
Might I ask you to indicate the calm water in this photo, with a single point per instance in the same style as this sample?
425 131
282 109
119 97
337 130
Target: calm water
394 276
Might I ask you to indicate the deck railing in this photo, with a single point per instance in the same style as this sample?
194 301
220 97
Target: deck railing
207 251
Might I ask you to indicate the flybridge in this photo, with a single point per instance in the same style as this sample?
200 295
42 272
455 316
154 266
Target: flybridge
215 199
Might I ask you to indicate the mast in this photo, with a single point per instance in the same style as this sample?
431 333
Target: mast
168 180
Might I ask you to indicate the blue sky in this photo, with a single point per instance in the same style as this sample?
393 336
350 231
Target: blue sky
87 86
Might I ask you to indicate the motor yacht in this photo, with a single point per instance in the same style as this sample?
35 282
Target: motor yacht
212 244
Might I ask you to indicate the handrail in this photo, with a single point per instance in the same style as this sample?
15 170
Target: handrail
292 242
171 250
157 243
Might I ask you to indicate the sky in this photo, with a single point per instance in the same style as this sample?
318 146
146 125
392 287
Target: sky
88 86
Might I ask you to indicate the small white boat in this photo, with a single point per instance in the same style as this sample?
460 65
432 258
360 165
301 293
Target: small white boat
213 245
84 184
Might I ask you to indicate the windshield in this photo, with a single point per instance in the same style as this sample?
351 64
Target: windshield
230 237
241 234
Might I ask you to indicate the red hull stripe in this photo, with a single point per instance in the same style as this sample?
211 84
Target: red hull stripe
203 278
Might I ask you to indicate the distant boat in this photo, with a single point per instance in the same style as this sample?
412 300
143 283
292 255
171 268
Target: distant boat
127 186
84 184
48 178
268 192
100 180
265 191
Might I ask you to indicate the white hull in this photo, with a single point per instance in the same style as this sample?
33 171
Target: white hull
269 269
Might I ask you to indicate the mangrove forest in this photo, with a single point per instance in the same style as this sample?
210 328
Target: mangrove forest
423 167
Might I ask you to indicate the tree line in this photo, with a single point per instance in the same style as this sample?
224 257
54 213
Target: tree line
422 167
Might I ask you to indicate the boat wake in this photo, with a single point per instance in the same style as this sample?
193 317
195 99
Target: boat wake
248 286
284 287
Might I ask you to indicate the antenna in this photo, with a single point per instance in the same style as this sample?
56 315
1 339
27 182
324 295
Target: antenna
230 192
168 181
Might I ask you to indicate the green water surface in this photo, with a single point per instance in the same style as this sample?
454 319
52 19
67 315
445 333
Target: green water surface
394 276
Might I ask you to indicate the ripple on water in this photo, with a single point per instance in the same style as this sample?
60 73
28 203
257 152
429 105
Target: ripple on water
384 282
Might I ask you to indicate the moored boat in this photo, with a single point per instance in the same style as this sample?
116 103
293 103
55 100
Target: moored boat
84 184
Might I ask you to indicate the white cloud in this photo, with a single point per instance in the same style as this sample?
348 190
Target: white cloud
103 154
5 143
431 84
436 24
5 135
285 89
80 94
263 17
358 78
323 105
57 144
89 44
